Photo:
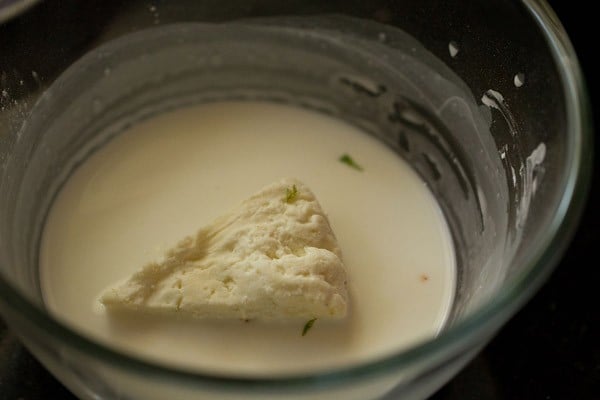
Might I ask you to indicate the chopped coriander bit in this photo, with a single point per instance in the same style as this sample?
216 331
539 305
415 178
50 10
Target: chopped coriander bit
346 159
291 194
307 326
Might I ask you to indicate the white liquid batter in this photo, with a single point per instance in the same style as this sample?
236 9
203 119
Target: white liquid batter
168 176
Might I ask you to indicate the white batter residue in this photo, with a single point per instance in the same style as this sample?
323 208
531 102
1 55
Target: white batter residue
453 49
492 99
532 165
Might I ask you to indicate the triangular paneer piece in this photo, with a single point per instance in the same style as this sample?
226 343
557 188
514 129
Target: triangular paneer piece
273 257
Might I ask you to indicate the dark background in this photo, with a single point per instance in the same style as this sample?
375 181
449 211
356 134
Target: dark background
549 350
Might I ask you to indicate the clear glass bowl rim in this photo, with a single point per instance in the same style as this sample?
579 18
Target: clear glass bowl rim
457 339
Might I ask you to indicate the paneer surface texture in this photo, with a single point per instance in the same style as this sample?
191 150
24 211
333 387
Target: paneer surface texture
274 256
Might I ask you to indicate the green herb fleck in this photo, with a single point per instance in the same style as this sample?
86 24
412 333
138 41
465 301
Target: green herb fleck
291 194
346 159
307 326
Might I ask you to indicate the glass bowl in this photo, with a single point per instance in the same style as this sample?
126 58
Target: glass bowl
484 99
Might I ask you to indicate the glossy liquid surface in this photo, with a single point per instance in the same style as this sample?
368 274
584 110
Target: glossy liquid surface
169 175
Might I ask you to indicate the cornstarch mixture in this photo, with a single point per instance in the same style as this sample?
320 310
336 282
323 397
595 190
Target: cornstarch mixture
170 175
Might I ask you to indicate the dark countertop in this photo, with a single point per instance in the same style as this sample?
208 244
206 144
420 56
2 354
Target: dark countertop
549 350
